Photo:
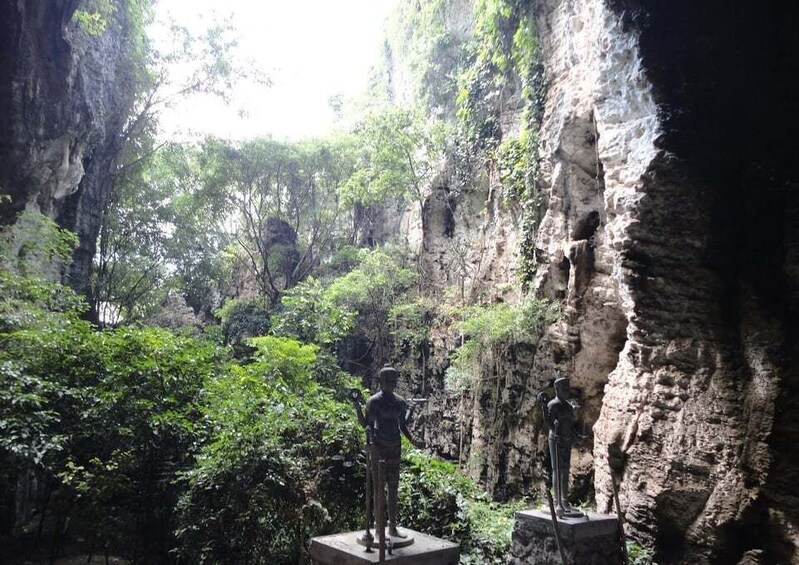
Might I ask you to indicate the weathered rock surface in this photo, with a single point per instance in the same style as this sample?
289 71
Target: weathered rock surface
64 98
670 238
689 267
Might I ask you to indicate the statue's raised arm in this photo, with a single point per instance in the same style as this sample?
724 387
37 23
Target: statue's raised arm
543 401
403 423
356 397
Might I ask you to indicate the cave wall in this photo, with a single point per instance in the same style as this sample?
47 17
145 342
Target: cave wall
65 96
670 240
695 249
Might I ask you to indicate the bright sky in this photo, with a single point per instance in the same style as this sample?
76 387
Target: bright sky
310 49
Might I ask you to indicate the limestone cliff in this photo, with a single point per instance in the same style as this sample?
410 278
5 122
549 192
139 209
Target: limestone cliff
670 238
65 95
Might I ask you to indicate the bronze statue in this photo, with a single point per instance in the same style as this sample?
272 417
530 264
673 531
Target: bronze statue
386 422
559 417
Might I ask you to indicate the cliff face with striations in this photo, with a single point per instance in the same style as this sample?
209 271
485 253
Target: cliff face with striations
670 239
693 415
669 126
65 95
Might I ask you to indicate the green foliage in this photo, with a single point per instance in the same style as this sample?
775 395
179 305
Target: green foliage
124 422
372 289
32 253
491 528
244 318
531 314
284 202
92 23
522 184
130 263
213 333
639 555
104 417
489 327
94 20
398 154
132 373
375 285
341 262
272 471
436 498
504 51
432 495
199 237
409 324
35 246
355 305
419 36
458 379
309 314
516 165
285 359
27 302
161 233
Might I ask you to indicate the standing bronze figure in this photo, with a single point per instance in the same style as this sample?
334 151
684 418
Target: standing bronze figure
559 418
385 421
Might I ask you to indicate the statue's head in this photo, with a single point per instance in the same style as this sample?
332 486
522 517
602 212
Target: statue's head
388 379
561 384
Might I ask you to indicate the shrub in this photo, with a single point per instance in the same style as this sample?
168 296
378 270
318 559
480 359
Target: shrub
244 318
409 324
104 418
639 555
307 313
488 327
437 499
277 464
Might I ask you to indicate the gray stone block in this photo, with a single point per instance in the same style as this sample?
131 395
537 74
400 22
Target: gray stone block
592 540
343 549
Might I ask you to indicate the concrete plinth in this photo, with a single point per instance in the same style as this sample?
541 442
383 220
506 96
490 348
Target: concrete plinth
343 549
592 540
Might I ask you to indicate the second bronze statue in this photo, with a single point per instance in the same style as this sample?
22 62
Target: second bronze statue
559 417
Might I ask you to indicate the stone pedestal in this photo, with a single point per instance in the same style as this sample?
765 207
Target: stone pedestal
344 549
592 540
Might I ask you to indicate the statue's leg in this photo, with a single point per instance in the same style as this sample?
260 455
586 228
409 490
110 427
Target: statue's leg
379 498
392 478
393 453
553 456
565 465
376 499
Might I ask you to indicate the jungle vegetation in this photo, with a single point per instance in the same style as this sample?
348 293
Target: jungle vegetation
192 408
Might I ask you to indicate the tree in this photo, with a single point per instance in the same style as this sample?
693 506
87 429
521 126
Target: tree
399 154
285 201
130 264
147 207
372 289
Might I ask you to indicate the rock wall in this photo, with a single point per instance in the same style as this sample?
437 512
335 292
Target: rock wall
685 288
65 96
670 239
